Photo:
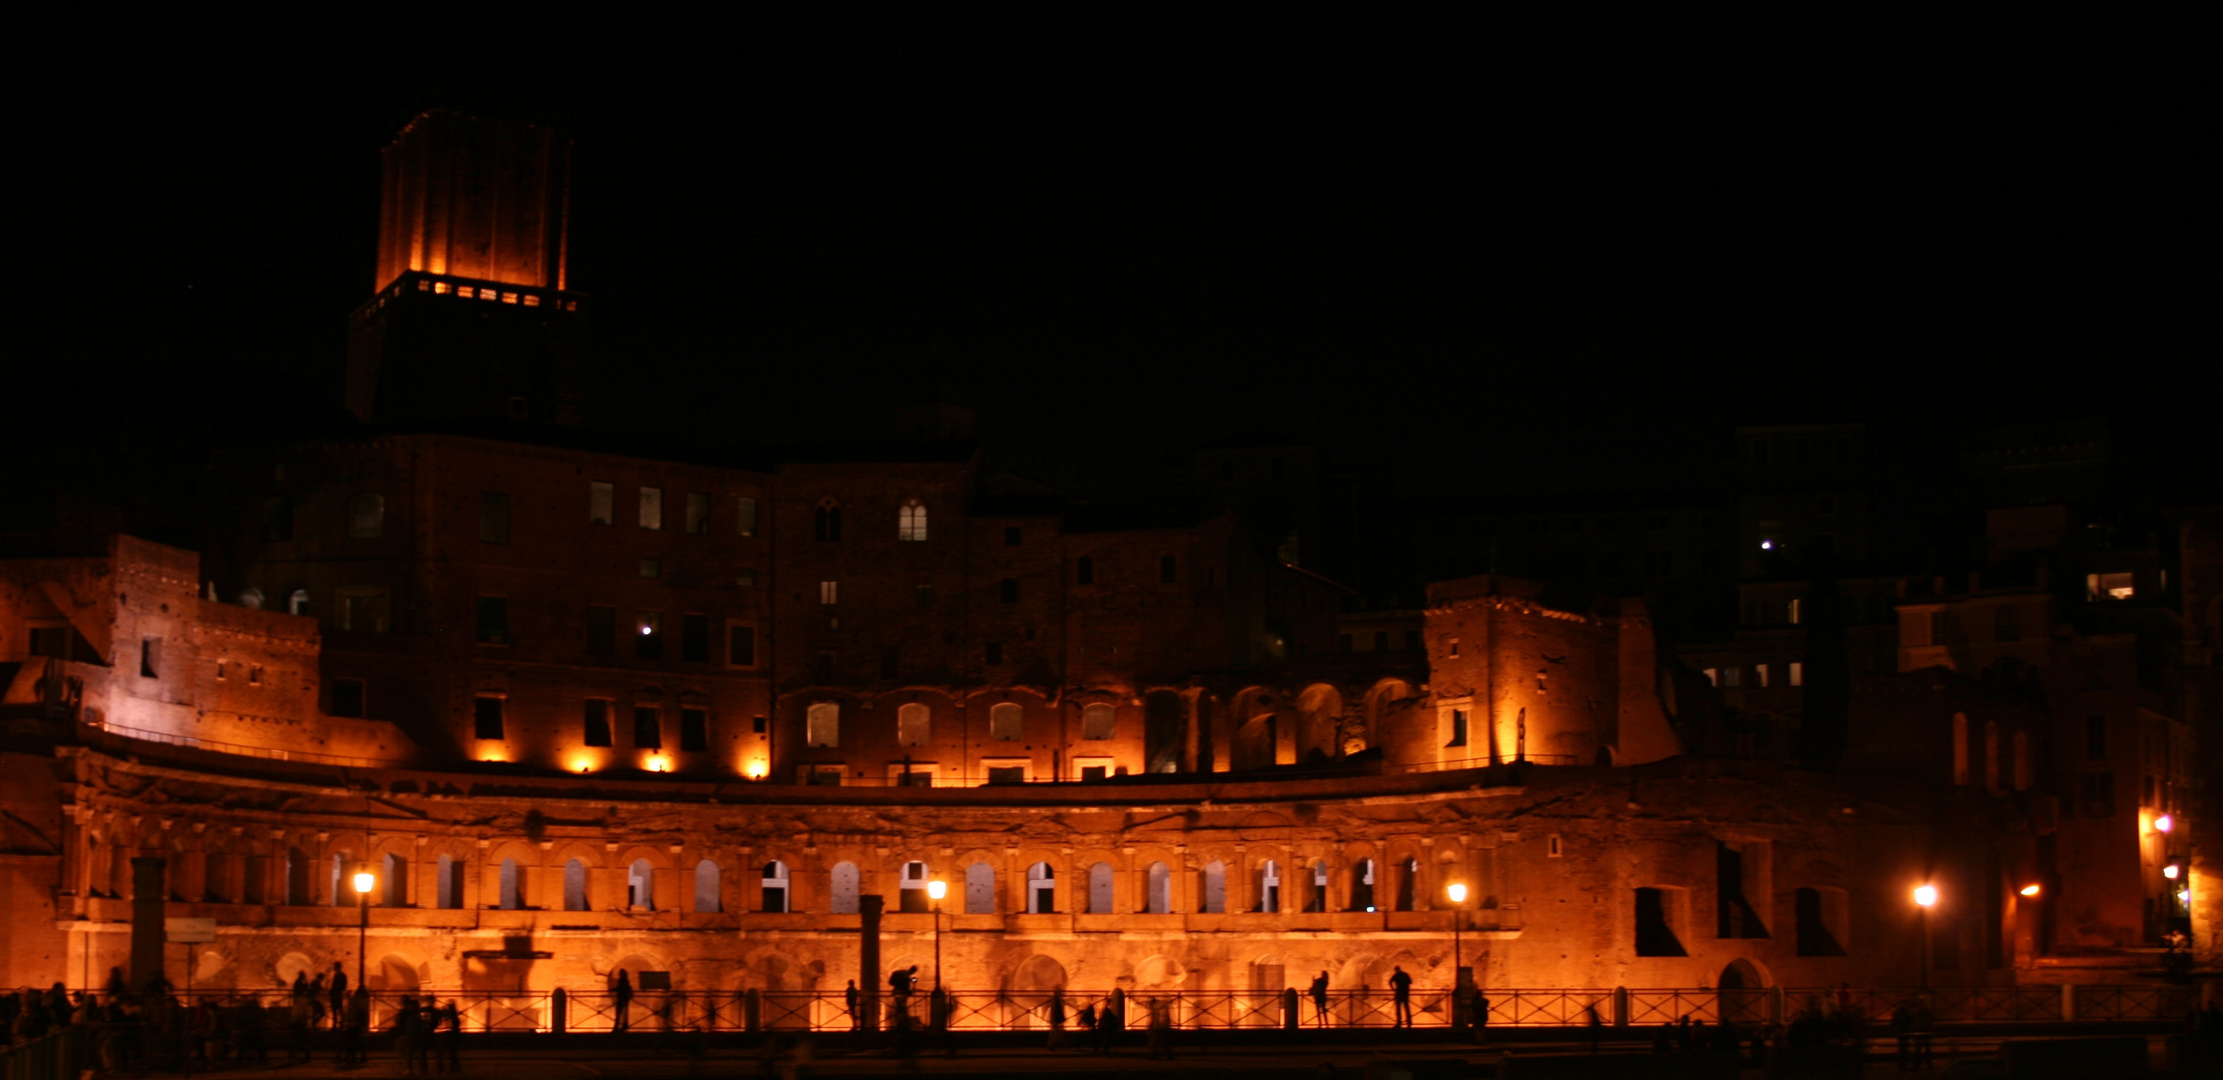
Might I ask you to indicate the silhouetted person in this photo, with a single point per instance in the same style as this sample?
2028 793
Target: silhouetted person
622 996
1057 1019
849 997
339 992
1593 1028
1401 998
451 1037
1320 998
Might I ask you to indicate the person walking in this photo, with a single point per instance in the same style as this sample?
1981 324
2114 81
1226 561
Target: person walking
1401 998
849 998
451 1037
1320 997
338 992
1057 1019
621 998
1593 1027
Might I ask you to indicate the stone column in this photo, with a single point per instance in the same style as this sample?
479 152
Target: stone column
868 958
147 937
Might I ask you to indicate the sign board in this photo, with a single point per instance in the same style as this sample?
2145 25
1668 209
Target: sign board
655 980
189 931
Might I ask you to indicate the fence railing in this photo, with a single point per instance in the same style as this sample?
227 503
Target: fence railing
1039 1010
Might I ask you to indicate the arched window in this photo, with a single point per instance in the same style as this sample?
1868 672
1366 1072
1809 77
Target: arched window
822 724
1006 721
1100 889
1215 887
640 885
912 892
449 886
1269 886
1159 883
575 886
1362 886
298 603
1960 748
1408 883
843 899
775 887
826 522
397 881
709 899
911 521
297 878
366 515
912 722
1316 897
251 598
512 885
1098 721
343 890
1041 889
980 889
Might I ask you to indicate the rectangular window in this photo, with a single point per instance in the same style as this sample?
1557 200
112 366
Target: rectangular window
50 641
744 516
347 697
648 727
1169 569
1818 911
494 517
694 638
1738 868
740 645
760 725
2095 738
1454 645
2109 586
1732 676
891 662
597 722
648 635
652 568
1798 673
493 620
1084 571
1097 721
1011 536
2098 792
995 652
746 578
1007 591
1458 728
1760 675
1655 923
829 592
652 508
698 514
150 658
601 503
1381 641
694 729
1412 639
925 596
601 631
1007 774
486 715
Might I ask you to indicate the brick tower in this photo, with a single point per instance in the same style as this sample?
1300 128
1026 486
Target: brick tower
472 317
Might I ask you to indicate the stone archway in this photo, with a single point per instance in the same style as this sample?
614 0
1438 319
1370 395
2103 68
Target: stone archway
1742 994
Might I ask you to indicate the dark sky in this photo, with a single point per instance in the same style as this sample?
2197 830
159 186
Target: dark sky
1481 247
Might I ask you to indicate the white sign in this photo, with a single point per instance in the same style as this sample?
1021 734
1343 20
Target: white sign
189 931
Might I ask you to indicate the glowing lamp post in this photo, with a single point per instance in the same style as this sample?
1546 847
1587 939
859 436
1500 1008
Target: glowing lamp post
1925 897
2164 823
1457 891
2031 890
935 890
365 881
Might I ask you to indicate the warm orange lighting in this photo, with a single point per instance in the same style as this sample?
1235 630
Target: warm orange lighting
1457 891
364 882
1925 895
659 763
757 769
2164 823
935 890
493 753
2169 871
2029 890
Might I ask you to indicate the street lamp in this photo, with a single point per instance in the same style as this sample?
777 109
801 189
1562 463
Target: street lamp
1457 891
1925 896
935 890
364 882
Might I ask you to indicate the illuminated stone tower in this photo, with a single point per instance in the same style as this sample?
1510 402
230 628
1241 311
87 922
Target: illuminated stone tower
473 317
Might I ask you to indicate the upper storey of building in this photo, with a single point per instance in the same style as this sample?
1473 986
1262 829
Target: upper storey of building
470 197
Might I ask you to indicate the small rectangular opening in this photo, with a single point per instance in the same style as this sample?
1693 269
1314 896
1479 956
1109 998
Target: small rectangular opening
1655 916
597 722
487 717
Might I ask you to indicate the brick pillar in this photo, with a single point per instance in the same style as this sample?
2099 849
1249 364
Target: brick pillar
147 938
868 958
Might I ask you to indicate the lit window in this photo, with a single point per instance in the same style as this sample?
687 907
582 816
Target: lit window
912 723
1097 721
1760 675
601 503
911 521
745 516
1713 675
1798 673
698 514
652 568
1005 720
2109 586
652 508
828 591
1795 612
822 724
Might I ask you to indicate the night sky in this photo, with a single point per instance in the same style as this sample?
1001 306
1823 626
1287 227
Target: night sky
1476 251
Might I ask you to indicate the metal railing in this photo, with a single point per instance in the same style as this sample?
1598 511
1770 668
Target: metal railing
597 1011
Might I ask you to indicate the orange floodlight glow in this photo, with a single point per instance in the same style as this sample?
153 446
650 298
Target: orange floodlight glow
2169 871
1925 895
756 769
2164 823
2029 890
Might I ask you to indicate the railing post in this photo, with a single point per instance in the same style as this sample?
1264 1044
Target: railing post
1776 1011
1620 1006
1289 1009
559 1011
2068 1002
752 1011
